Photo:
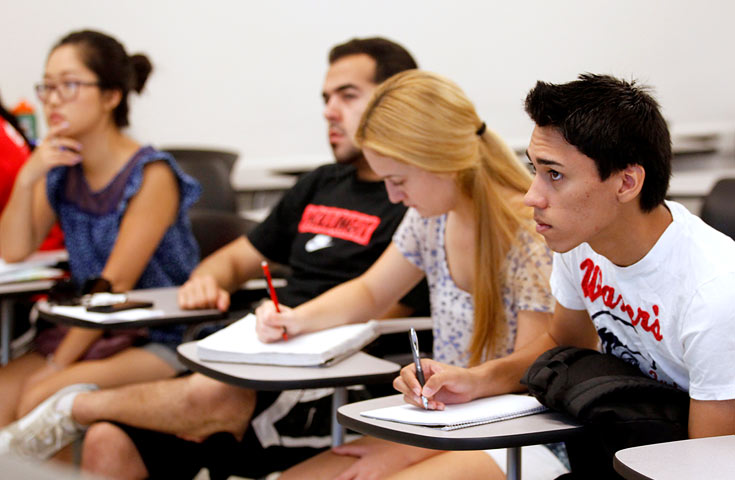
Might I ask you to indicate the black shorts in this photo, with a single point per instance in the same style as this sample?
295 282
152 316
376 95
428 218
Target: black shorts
168 456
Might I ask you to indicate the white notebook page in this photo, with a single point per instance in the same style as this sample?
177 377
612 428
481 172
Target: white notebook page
476 412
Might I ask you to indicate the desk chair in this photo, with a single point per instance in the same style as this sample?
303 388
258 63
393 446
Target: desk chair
214 228
211 168
718 209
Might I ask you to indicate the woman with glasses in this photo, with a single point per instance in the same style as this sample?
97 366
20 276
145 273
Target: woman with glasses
122 207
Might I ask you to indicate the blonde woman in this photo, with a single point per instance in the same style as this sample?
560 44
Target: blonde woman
468 232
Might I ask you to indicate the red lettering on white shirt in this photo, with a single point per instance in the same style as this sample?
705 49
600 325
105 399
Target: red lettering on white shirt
593 288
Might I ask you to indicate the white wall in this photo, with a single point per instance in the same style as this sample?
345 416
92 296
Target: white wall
247 74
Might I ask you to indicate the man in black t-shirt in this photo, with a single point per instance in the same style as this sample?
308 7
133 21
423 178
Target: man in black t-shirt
329 228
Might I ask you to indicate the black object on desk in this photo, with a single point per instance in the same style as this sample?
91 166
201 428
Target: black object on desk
119 307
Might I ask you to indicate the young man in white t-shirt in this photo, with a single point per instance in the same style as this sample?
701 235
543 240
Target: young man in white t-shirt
639 277
654 279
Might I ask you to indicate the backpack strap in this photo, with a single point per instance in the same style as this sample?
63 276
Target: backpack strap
548 376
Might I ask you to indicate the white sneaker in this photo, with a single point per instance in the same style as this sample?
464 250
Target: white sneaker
46 429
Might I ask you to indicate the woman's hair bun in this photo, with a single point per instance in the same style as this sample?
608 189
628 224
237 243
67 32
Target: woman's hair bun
142 67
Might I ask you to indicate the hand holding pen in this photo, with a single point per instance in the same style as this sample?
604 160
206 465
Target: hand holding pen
445 384
272 292
417 363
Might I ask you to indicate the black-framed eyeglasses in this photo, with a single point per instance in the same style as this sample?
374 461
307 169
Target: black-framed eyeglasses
67 90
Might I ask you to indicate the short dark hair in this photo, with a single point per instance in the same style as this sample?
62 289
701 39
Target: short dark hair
390 58
115 70
614 122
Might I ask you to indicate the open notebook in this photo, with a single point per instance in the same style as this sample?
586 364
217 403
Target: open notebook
29 274
476 412
238 343
37 267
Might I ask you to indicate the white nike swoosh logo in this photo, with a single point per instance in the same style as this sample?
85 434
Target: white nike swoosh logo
318 242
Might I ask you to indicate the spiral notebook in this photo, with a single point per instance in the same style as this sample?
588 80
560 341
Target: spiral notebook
453 417
238 343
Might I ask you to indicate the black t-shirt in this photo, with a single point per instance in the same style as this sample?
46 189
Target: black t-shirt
329 228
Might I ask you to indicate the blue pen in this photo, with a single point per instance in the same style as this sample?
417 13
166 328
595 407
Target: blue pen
417 362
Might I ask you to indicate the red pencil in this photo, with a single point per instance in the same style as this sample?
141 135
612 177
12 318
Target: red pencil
272 292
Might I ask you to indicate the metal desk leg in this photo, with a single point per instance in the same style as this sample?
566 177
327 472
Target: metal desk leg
513 464
76 447
339 398
6 317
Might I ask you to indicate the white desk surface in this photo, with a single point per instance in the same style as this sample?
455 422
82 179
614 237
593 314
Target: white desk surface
256 214
530 430
163 299
45 258
706 458
282 164
353 370
694 175
260 180
260 284
398 325
38 259
21 288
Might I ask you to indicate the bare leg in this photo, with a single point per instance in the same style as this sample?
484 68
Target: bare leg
12 377
64 456
371 457
192 407
398 462
109 451
323 466
132 365
453 465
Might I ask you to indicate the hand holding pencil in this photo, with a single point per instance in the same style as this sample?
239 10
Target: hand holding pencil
266 321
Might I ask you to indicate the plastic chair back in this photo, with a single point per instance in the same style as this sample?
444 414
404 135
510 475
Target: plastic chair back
211 168
718 209
214 229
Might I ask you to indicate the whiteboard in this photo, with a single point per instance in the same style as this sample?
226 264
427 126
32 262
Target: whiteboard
246 75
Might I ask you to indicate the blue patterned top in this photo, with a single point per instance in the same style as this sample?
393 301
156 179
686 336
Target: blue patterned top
91 224
528 266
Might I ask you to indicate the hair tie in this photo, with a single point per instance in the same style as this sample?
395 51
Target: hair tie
482 129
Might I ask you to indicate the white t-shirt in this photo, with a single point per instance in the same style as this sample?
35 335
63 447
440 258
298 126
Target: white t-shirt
671 313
